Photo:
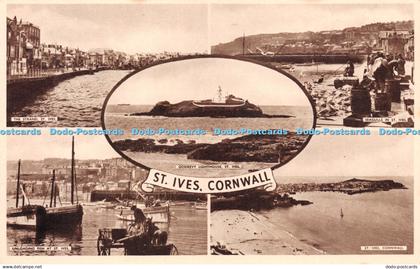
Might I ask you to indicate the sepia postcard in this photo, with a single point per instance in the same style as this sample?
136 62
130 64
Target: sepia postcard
192 130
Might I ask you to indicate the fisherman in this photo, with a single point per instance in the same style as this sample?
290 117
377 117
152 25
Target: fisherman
349 71
380 72
139 217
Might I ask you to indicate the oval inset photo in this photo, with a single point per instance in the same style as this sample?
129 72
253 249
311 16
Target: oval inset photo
208 117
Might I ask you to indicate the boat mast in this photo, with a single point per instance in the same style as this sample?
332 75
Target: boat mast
52 188
72 169
17 185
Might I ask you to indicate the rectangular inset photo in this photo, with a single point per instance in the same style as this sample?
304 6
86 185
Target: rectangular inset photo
63 60
359 69
340 196
80 198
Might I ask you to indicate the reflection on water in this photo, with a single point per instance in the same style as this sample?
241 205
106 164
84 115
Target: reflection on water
188 231
77 102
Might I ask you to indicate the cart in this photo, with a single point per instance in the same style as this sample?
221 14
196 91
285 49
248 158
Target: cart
138 244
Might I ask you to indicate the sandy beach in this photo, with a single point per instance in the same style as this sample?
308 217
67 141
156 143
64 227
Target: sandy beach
251 233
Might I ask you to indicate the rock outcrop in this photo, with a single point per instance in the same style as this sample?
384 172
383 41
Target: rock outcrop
188 109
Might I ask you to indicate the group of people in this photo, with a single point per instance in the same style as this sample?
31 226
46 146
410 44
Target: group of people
382 67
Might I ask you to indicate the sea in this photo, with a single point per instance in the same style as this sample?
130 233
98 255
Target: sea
187 231
117 116
383 218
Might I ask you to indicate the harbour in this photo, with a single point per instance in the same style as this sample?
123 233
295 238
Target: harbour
188 232
58 100
44 217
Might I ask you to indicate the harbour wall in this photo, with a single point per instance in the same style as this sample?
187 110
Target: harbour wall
23 91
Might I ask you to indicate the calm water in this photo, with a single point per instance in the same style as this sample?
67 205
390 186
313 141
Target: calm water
370 219
188 231
116 118
76 102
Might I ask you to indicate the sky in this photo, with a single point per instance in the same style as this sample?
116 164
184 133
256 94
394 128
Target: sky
129 28
190 28
353 156
48 146
228 22
198 79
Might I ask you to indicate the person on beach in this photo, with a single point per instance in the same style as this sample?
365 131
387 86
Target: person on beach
349 71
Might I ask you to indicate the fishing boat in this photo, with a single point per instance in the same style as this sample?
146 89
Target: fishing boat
227 101
94 203
160 214
24 216
66 216
46 217
200 206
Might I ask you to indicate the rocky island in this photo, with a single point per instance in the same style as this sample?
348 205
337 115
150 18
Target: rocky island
261 200
248 148
189 109
350 187
228 106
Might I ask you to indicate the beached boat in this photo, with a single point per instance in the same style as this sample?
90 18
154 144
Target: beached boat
225 102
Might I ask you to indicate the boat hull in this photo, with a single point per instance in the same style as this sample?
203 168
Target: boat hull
157 214
22 222
59 217
23 217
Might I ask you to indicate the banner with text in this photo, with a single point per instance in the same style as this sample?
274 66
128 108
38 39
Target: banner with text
262 178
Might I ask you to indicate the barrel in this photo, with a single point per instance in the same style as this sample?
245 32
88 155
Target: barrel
360 101
392 87
382 102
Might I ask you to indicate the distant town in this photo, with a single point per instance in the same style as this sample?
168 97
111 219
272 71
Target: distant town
108 174
390 37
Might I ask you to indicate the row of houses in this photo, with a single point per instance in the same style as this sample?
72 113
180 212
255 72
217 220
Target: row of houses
36 188
114 169
348 42
26 53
